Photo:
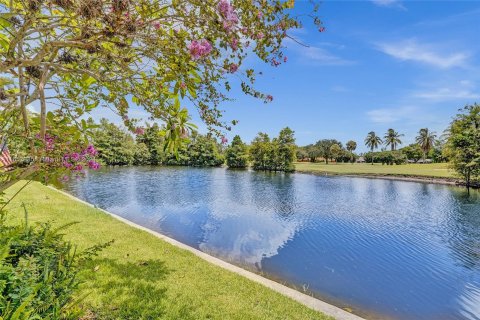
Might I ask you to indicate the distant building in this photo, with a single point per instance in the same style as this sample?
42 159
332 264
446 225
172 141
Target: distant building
361 160
425 161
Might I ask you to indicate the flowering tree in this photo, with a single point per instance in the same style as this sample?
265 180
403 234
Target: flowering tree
72 56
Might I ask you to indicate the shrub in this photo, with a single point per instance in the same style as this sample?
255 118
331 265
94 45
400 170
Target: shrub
38 272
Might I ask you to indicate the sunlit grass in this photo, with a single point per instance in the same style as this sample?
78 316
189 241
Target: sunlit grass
143 277
438 170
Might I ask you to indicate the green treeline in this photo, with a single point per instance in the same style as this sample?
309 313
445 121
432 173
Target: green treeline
117 146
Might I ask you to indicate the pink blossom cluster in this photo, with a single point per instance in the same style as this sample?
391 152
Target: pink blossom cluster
233 68
49 141
199 48
76 161
230 18
139 131
224 140
269 98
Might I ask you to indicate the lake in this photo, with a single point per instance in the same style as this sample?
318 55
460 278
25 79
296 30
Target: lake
386 249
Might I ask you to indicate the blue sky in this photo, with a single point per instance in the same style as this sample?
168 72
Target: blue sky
380 64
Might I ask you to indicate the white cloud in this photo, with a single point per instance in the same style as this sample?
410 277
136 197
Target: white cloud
411 50
322 56
389 3
317 55
391 115
442 94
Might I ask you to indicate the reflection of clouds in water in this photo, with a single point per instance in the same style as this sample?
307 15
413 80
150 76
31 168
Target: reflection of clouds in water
470 302
245 223
248 239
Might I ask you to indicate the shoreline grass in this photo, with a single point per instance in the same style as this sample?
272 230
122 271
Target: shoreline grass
431 170
142 277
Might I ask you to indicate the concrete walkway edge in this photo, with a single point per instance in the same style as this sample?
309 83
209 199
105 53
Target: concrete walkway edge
302 298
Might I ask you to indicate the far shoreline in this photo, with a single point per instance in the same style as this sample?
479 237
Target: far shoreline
399 177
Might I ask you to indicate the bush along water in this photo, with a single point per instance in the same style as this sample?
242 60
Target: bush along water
38 272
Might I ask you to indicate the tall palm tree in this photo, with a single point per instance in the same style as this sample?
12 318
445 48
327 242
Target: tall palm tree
372 141
351 146
425 140
392 139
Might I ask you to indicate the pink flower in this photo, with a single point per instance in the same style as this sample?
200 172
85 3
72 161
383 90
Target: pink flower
234 44
199 49
233 68
183 85
269 98
156 25
92 164
75 156
139 131
228 13
91 150
322 29
285 59
259 14
224 140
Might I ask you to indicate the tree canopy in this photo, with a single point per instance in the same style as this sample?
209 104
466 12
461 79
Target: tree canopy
463 144
72 56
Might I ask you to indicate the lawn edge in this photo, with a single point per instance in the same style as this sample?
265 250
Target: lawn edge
311 302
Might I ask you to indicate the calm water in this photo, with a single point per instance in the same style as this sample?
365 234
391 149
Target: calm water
386 249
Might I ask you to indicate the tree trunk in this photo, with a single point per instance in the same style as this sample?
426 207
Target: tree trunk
43 105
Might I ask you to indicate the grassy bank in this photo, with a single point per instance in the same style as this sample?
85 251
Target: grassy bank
434 170
143 277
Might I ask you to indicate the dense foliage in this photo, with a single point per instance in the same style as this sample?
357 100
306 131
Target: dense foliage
463 144
236 155
115 146
277 154
38 273
386 157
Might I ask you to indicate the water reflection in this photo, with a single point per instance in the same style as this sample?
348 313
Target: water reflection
398 249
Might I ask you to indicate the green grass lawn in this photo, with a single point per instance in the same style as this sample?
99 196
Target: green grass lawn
143 277
437 170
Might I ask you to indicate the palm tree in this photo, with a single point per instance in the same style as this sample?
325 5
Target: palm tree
351 146
372 141
392 139
425 140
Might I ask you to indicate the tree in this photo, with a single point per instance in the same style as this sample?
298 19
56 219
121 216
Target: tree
412 152
302 153
203 152
141 155
324 148
392 139
114 145
351 146
463 144
335 151
313 152
260 151
286 150
236 154
372 141
151 136
426 141
76 55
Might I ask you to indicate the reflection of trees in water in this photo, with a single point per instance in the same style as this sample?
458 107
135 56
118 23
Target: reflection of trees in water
464 226
274 191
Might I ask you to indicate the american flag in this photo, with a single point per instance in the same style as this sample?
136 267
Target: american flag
5 159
